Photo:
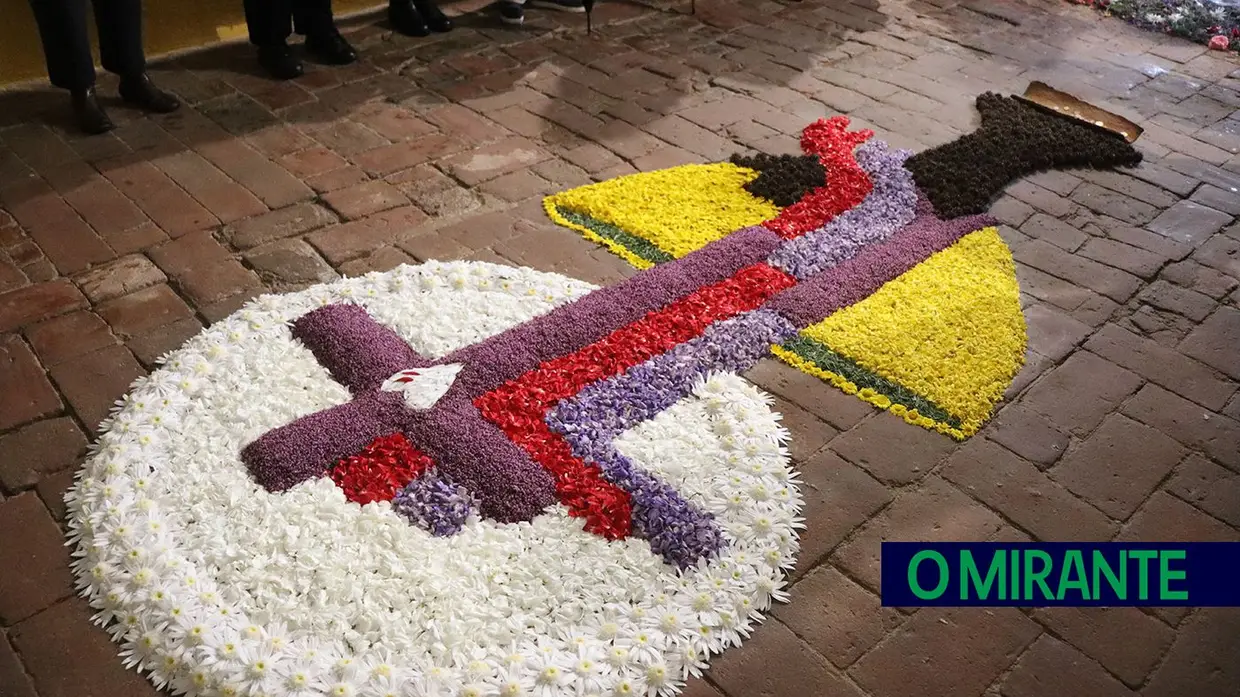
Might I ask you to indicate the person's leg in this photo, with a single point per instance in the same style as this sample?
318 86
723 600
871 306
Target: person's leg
120 50
66 48
66 43
271 23
313 20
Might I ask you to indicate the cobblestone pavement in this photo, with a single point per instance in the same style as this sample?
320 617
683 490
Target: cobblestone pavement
1124 424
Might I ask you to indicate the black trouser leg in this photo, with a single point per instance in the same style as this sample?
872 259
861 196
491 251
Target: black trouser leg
269 21
313 17
66 43
120 36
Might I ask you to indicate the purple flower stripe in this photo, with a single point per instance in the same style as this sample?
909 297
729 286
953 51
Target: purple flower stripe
435 504
853 280
476 454
304 449
359 352
891 205
510 354
676 529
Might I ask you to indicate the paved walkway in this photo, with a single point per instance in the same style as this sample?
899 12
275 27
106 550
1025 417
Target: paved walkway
1122 426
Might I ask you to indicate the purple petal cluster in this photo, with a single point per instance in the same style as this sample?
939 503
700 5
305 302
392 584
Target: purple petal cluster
890 205
359 352
676 529
435 504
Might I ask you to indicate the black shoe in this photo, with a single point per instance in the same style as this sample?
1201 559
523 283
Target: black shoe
406 19
89 114
330 48
142 93
436 20
511 12
279 62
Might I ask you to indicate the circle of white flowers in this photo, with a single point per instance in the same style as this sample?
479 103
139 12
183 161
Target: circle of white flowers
214 586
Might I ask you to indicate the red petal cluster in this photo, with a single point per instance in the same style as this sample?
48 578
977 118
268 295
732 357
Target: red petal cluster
380 470
519 407
847 184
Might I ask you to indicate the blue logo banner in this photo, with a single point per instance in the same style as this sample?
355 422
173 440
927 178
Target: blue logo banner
993 574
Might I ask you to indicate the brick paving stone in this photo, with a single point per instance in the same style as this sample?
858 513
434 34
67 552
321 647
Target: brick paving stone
1057 232
1215 341
1165 518
1120 182
1213 197
1076 395
25 393
1191 424
359 201
120 277
158 196
33 303
1052 333
38 449
285 222
810 433
39 553
1209 487
775 662
1221 253
1182 301
141 312
1024 495
1163 247
839 496
698 687
1048 288
1202 659
1119 465
832 406
885 447
188 253
217 192
13 675
212 283
1051 667
67 656
1028 434
151 344
1113 283
946 652
64 237
488 162
1116 205
1125 640
935 511
1189 222
289 261
838 618
1169 368
1132 259
65 337
340 243
52 488
95 380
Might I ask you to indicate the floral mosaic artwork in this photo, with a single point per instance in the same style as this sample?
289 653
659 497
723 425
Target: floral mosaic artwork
469 479
1215 23
906 296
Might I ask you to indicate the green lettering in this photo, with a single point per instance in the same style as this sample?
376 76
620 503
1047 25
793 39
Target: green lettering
997 569
1101 567
1014 593
1074 564
944 575
1143 571
1037 576
1165 574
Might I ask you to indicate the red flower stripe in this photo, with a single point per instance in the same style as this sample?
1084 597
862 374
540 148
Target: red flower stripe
847 184
519 407
380 470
